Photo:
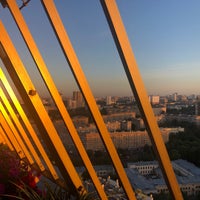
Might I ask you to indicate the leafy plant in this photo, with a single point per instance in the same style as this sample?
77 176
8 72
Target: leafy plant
13 170
17 181
25 192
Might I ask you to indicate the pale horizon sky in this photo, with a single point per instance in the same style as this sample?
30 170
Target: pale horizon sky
165 38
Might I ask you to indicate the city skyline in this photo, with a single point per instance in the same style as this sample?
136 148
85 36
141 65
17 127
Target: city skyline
164 38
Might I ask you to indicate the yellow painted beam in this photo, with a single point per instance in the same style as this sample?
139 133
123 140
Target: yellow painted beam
138 88
17 135
2 140
54 93
28 125
21 130
24 85
11 137
73 61
10 146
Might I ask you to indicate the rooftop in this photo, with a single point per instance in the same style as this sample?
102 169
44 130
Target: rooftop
186 173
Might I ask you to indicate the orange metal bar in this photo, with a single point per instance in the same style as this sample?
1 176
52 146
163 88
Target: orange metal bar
48 132
83 85
11 137
16 134
54 93
136 83
2 140
10 146
21 130
27 124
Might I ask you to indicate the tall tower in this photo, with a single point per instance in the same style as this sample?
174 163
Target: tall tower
174 97
78 97
108 100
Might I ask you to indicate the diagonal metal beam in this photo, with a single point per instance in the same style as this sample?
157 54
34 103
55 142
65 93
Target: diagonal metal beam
27 124
21 130
73 61
54 93
124 48
2 139
10 146
16 134
11 136
27 91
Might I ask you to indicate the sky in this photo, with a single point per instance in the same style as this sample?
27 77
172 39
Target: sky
164 35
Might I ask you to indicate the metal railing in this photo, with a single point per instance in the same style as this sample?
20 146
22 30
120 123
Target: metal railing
12 130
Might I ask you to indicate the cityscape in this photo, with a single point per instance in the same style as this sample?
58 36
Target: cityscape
127 130
123 119
73 137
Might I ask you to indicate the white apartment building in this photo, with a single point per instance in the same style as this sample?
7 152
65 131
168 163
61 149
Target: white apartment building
147 177
144 168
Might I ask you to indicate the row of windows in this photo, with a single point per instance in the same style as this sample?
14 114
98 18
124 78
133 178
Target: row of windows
146 167
183 188
190 187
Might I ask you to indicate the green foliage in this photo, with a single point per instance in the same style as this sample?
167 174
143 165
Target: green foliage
162 196
17 181
185 145
25 192
13 169
99 157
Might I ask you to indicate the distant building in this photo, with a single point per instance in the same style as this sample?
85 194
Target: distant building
138 123
69 103
126 140
154 99
126 125
147 177
113 126
115 99
182 98
163 100
78 97
183 118
109 100
119 116
192 97
80 121
174 97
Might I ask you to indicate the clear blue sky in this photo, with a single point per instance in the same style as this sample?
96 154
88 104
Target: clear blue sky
165 38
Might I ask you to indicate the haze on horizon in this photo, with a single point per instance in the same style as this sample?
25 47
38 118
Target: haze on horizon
165 38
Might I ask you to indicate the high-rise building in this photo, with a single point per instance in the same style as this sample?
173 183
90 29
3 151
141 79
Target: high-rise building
108 100
174 97
78 97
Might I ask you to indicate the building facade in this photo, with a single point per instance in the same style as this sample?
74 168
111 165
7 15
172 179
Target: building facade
126 140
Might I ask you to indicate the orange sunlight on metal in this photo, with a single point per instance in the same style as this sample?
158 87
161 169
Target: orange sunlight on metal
54 93
23 83
27 124
15 133
3 134
139 91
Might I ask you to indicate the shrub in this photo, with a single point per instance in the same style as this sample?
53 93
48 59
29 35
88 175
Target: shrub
14 170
